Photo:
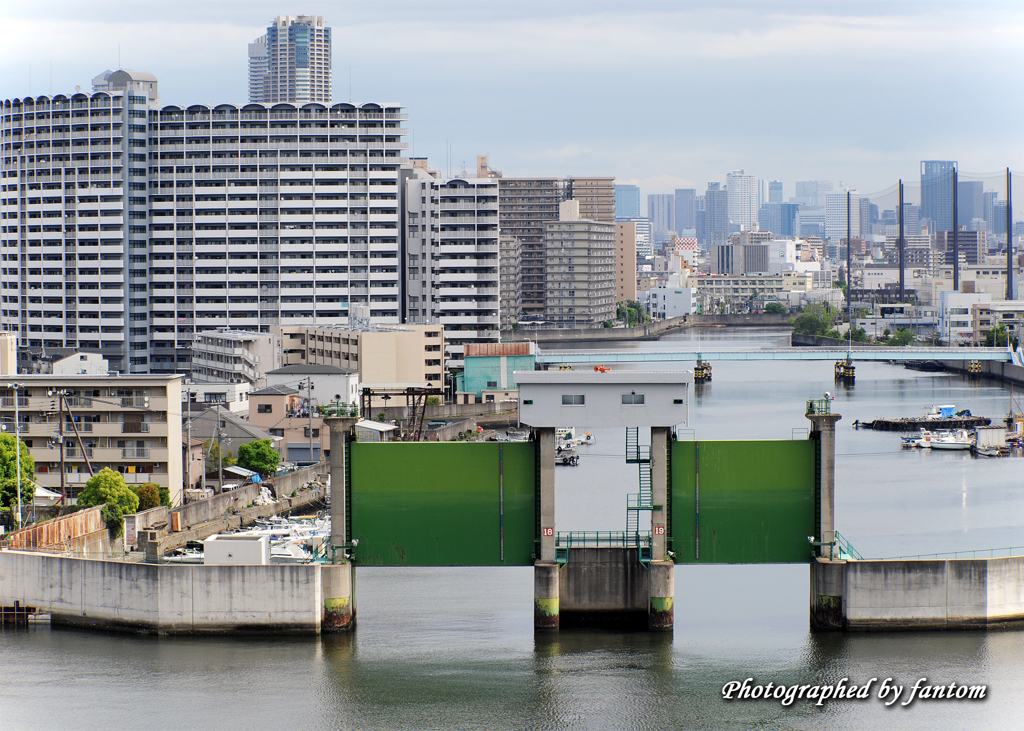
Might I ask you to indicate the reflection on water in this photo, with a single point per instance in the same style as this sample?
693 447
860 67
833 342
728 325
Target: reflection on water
454 648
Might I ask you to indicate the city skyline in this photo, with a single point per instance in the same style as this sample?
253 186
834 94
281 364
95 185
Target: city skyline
666 59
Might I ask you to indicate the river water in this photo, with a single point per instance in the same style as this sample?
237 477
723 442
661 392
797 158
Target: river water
454 648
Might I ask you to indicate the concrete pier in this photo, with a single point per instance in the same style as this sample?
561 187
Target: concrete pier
546 596
661 596
824 432
917 594
339 597
339 582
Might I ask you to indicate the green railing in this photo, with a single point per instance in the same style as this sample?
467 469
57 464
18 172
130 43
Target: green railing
601 539
846 549
819 406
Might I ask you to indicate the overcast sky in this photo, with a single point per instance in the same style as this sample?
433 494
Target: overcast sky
662 94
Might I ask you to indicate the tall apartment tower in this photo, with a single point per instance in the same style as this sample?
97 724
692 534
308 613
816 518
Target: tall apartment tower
453 258
775 191
596 197
743 199
292 62
716 214
627 201
580 263
163 222
937 193
525 205
625 261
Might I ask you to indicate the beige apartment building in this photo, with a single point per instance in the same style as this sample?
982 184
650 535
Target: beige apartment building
131 424
596 197
283 412
385 354
625 261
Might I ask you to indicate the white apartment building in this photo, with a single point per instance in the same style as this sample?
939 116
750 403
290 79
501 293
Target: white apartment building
292 61
742 199
453 259
235 356
127 228
835 216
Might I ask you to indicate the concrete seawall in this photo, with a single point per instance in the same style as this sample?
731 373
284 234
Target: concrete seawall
917 594
172 599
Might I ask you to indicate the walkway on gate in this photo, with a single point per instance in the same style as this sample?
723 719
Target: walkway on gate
552 357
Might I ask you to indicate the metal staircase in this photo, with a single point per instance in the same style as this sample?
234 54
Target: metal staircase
639 455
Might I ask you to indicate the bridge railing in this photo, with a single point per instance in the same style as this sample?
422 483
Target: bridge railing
599 539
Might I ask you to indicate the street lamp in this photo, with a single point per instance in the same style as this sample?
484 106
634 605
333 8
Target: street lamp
308 383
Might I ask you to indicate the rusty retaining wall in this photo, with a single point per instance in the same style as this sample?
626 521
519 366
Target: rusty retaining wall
81 532
216 507
285 484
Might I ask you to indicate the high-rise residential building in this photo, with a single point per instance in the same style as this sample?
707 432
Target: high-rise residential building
686 209
291 62
452 258
716 216
700 219
525 205
180 219
644 236
510 276
661 211
627 201
596 197
937 194
625 261
580 263
972 246
775 191
742 196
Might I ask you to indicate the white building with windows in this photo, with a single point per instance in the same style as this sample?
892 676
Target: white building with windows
956 320
743 199
453 259
127 227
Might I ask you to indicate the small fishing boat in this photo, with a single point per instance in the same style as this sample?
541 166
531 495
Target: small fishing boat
949 440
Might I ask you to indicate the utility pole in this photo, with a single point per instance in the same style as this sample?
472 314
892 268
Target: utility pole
309 410
901 243
956 239
1009 236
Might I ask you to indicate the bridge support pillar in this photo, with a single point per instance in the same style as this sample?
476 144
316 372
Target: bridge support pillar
660 609
545 595
546 493
660 445
824 432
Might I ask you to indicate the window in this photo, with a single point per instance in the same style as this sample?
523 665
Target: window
492 384
305 433
265 409
572 399
633 398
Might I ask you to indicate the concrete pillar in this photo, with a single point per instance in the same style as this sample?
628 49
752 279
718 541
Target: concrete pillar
828 601
660 609
339 488
338 582
545 595
660 444
546 437
824 431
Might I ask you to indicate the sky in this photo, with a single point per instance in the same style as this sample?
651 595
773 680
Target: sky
663 94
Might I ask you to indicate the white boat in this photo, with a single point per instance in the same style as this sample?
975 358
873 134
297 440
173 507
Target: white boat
922 440
948 440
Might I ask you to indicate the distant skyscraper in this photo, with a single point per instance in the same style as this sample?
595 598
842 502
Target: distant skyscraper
970 202
779 218
812 192
686 208
716 214
775 191
292 62
937 193
661 212
742 189
627 201
835 216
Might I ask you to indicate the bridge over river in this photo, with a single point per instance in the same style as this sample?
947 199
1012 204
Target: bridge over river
596 357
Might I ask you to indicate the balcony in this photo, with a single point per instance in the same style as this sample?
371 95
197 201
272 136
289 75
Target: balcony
134 427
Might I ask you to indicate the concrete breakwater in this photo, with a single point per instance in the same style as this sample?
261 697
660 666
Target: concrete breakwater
180 599
917 594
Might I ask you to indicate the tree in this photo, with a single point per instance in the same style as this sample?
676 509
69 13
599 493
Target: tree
817 319
9 473
902 337
108 488
774 308
997 336
213 455
259 456
149 496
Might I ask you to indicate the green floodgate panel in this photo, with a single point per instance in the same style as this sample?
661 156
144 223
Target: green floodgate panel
443 503
754 501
